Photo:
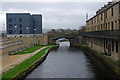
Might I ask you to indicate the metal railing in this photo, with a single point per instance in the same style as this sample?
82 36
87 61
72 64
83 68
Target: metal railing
115 34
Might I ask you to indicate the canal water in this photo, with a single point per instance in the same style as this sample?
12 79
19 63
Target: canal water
67 62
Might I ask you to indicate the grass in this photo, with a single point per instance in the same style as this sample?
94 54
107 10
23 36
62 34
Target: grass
29 50
24 65
102 53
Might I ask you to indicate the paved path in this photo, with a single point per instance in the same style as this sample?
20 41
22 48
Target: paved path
13 60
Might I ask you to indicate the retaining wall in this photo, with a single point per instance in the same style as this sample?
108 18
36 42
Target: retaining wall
26 41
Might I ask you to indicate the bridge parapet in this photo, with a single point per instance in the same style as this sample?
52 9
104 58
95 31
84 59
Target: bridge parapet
67 37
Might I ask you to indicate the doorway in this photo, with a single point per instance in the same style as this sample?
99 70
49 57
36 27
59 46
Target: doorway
109 50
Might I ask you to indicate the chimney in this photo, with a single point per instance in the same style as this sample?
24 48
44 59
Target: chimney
115 0
106 6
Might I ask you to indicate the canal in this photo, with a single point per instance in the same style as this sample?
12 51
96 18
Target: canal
67 62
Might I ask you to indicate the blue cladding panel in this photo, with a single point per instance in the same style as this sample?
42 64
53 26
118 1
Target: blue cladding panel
22 21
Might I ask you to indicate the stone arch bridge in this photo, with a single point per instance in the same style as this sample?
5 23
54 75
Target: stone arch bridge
72 39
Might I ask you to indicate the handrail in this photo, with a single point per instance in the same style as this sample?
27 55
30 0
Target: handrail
115 34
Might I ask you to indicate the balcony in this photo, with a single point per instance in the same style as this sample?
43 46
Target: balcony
115 34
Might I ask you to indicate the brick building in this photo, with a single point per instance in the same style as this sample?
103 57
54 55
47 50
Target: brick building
103 30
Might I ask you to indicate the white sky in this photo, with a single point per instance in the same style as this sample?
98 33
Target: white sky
56 13
56 0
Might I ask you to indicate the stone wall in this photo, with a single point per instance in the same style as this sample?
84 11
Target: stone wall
15 44
98 45
113 65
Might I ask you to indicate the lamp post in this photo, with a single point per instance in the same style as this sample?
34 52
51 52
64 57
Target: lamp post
37 34
16 36
37 30
34 33
27 35
27 30
15 30
23 42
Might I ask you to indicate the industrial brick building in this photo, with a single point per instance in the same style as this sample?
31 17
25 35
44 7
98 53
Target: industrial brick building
23 23
103 30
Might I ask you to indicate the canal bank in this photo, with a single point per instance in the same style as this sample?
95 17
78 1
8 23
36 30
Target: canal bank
71 63
65 62
108 62
36 60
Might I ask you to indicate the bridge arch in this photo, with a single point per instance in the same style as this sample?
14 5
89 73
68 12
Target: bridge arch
62 40
70 38
67 37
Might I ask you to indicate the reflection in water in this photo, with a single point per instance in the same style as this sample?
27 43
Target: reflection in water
64 44
66 62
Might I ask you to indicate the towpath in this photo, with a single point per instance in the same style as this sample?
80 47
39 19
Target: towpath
11 61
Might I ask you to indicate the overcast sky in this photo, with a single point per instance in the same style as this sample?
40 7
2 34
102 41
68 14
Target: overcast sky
56 13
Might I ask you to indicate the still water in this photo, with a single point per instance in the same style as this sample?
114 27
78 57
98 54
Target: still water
67 62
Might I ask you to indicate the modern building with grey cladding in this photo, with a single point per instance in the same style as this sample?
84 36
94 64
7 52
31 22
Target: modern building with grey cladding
23 23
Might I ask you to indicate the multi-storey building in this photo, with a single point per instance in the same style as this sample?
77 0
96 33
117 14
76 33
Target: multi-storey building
103 30
23 23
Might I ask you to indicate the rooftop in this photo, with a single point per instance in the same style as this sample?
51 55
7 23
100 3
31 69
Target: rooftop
104 10
17 13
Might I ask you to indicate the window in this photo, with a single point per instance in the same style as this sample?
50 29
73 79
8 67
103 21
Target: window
116 46
106 43
119 8
112 45
20 25
14 19
98 18
101 26
101 16
106 26
105 14
116 25
95 19
14 25
20 20
109 26
94 28
92 21
10 31
10 25
10 19
112 25
112 11
20 31
119 24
